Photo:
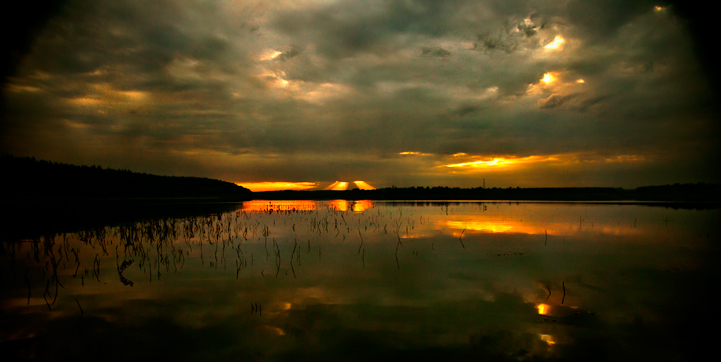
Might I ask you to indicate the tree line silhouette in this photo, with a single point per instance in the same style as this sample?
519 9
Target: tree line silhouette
27 178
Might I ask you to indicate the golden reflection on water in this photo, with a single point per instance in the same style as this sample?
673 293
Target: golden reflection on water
338 186
339 205
357 206
492 224
266 206
488 226
345 265
464 221
305 205
362 205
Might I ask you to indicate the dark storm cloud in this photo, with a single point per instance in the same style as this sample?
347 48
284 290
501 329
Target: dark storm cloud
292 52
599 20
554 100
435 51
347 28
466 110
289 90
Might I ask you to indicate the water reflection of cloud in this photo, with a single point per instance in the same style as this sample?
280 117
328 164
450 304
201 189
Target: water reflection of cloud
493 225
439 292
488 226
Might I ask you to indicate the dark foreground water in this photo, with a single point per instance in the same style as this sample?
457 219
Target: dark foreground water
305 280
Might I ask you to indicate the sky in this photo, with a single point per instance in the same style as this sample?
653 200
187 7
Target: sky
306 94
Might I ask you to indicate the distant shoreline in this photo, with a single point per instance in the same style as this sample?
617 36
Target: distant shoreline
131 204
530 195
687 193
35 181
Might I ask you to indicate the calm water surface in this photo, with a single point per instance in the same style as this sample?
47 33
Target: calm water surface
355 280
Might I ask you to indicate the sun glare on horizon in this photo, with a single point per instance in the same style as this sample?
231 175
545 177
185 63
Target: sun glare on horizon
277 186
343 185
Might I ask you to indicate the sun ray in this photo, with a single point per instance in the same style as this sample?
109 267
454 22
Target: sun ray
363 185
338 186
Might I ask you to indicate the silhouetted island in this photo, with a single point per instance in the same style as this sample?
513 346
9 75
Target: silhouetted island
45 198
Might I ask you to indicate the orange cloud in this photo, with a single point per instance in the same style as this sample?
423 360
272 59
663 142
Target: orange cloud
415 153
497 162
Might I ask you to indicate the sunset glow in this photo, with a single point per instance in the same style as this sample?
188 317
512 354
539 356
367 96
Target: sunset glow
493 162
190 174
363 185
338 186
343 185
277 186
500 162
415 153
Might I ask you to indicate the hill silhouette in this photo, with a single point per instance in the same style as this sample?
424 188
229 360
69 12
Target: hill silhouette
30 179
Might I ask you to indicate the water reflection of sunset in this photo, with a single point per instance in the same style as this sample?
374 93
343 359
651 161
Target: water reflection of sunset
265 206
362 205
357 206
339 205
495 226
334 267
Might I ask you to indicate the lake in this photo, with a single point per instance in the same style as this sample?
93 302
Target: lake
360 280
